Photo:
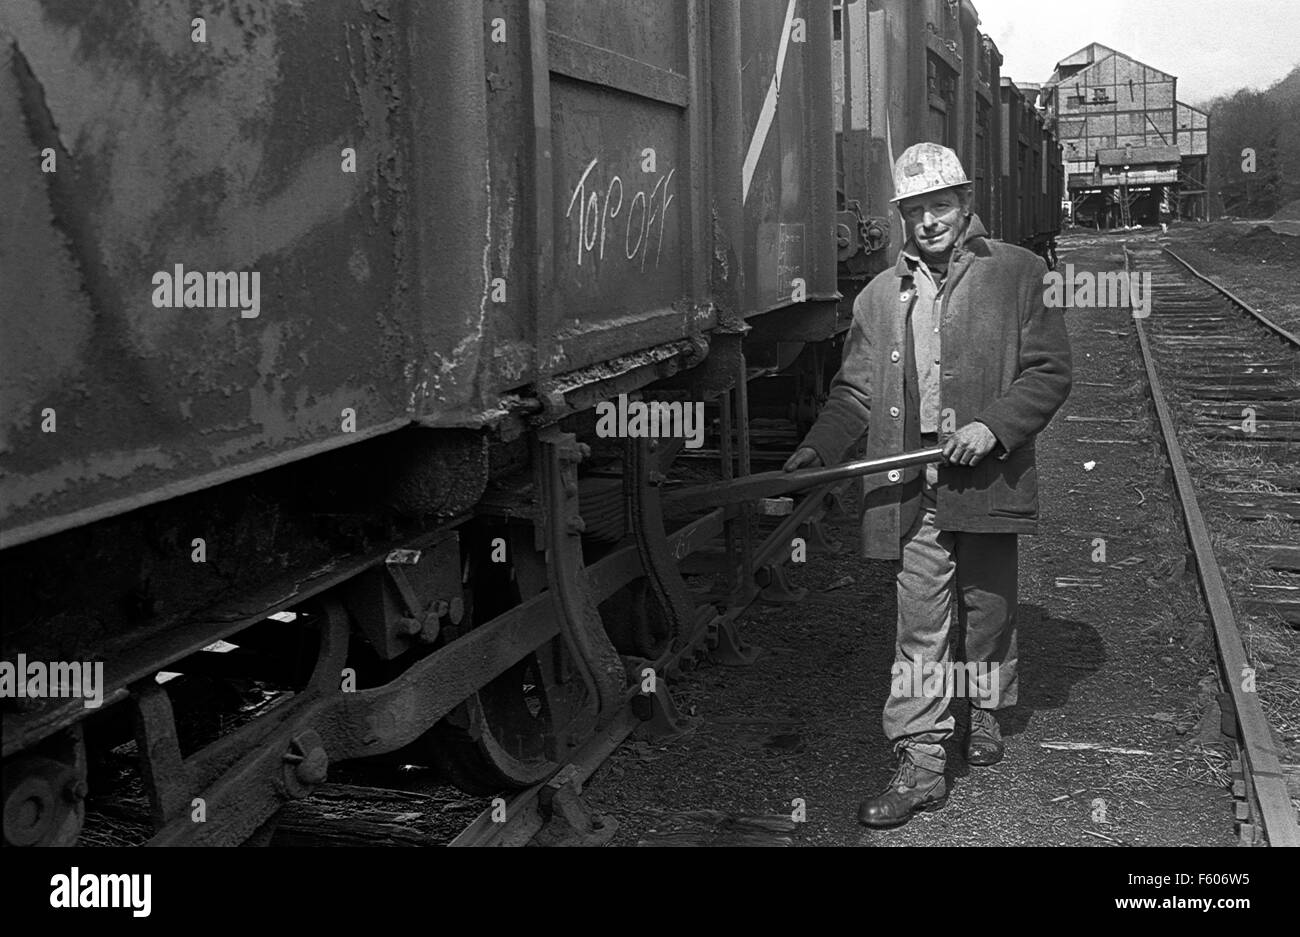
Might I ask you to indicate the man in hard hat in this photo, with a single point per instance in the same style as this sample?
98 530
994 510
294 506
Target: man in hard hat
954 348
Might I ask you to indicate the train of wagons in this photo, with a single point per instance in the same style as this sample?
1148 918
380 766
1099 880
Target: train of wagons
306 312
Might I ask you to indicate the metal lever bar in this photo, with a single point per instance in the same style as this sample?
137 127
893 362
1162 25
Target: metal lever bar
772 484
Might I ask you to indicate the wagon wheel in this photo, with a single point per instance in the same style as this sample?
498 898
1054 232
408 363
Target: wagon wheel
512 733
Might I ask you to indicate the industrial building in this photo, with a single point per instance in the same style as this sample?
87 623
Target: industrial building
1133 153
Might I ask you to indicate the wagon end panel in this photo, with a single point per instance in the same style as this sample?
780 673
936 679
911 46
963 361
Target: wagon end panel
788 175
989 122
1013 158
873 121
471 189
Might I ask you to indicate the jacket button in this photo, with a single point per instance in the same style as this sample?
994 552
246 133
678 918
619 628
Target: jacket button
894 412
894 356
894 476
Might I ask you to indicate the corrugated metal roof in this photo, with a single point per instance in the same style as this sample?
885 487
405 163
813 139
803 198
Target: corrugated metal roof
1139 156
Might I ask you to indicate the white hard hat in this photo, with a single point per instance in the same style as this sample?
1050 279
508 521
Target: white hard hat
926 167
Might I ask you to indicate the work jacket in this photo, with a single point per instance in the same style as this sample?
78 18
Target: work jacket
1005 362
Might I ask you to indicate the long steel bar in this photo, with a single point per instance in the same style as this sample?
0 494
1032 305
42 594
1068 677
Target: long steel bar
772 484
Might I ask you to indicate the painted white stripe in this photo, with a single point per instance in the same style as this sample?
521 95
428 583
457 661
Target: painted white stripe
895 219
768 113
889 145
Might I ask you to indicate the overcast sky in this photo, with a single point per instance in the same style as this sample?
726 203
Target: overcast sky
1212 46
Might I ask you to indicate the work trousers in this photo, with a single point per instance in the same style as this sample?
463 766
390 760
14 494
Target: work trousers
942 578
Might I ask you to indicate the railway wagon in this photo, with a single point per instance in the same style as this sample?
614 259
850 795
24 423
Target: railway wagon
1055 184
988 137
305 313
1015 156
1047 217
910 75
1031 160
910 72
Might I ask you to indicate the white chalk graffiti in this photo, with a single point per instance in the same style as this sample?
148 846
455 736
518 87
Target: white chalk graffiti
644 211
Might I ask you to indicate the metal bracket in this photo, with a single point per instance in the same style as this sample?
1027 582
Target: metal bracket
569 822
167 780
556 460
776 588
814 534
726 647
398 605
659 715
673 607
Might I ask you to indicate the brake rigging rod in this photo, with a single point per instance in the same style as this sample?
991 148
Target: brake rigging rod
773 484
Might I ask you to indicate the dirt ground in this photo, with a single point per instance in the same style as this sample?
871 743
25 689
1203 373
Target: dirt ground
1114 655
1258 260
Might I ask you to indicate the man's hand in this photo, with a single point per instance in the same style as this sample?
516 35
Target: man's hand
803 458
969 444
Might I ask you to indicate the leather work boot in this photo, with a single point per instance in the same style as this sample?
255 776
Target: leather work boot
984 743
913 788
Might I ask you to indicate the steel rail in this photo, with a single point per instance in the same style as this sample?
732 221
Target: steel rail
1259 753
523 811
1259 316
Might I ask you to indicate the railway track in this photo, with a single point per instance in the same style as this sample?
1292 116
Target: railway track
1224 384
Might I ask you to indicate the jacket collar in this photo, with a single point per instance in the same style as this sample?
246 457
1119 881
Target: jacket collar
973 241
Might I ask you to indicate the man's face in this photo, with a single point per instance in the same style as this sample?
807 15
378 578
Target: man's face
935 219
